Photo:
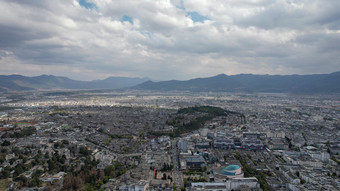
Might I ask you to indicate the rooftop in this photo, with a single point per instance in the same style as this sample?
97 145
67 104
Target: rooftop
232 167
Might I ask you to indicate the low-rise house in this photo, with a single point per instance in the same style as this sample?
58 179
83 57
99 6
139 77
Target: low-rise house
252 144
277 144
59 177
223 143
195 161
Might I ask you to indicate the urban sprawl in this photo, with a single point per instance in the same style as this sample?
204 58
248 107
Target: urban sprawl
137 140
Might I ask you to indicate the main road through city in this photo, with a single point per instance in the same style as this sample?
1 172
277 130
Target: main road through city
175 159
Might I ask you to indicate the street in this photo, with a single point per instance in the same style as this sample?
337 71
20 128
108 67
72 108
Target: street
177 173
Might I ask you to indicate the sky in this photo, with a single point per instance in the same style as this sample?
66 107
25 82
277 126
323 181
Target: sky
168 39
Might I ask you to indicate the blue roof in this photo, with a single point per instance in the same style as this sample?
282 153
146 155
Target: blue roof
230 170
232 167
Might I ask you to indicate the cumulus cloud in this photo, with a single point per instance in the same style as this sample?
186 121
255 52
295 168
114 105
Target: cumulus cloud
168 39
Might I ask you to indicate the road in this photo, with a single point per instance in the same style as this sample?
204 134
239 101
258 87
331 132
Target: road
177 173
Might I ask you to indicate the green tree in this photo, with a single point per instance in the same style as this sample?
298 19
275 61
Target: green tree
109 170
47 155
174 187
84 151
6 143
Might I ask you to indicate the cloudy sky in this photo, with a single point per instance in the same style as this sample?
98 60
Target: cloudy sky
168 39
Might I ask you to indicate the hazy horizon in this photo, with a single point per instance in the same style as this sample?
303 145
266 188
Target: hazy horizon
162 80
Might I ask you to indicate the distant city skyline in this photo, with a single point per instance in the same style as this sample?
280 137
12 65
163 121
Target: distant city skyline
168 39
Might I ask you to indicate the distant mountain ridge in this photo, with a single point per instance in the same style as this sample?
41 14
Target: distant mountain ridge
45 82
249 83
246 83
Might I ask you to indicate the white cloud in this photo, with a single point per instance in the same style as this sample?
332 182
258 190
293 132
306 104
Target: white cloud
163 42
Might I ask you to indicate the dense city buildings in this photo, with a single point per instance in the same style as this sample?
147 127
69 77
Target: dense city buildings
138 140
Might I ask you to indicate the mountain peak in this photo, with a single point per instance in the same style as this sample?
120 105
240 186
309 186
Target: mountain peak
221 75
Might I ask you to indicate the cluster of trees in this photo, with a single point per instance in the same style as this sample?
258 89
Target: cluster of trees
209 111
34 181
193 172
194 179
250 172
108 141
160 133
84 151
82 172
193 125
51 164
5 173
115 170
22 166
56 163
88 175
6 143
197 123
335 159
59 112
25 132
90 178
215 111
61 144
204 109
167 167
116 136
166 177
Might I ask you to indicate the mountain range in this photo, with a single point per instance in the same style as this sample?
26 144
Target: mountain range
50 82
249 83
246 83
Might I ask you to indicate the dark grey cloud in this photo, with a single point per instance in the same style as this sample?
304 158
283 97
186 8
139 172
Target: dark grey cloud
161 39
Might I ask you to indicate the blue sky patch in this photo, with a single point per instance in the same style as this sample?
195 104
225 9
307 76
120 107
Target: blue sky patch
86 4
196 17
147 33
127 18
181 5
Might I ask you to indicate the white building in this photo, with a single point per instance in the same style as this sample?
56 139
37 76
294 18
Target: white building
183 145
204 132
233 184
140 186
323 156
